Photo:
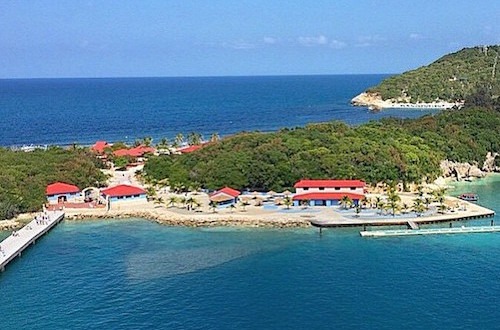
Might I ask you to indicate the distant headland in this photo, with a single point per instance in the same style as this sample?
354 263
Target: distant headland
444 84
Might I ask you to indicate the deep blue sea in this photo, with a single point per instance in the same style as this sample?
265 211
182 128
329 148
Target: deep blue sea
134 274
65 111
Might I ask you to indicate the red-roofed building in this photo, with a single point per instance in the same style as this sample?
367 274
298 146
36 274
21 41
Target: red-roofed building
99 147
188 149
225 196
124 192
328 192
138 151
60 192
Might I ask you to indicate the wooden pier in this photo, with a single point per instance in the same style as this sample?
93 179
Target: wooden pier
15 244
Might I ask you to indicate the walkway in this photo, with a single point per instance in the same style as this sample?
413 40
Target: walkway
15 244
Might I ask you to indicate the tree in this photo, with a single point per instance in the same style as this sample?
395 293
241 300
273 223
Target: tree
287 201
194 138
179 140
232 207
345 202
172 200
151 193
418 206
213 206
191 202
215 137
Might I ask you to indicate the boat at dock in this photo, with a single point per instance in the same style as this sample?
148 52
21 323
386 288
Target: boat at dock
469 197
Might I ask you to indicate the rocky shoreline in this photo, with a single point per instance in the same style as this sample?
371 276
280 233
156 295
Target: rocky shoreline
206 220
467 171
375 102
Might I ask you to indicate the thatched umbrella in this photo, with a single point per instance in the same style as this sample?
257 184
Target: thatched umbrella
287 193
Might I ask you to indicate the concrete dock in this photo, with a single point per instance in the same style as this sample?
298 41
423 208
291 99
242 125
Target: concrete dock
430 231
15 244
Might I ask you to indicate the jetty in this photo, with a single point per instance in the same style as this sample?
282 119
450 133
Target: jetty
430 231
20 240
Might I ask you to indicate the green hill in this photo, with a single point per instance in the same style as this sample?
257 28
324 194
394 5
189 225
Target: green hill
453 77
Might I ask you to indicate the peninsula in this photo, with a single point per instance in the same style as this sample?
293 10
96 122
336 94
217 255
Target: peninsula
446 83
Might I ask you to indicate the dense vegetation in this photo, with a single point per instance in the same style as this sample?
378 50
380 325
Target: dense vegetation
392 149
451 78
25 175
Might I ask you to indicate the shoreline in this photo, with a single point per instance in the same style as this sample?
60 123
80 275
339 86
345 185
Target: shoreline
375 102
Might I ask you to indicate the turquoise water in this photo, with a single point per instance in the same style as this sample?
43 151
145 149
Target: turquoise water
134 274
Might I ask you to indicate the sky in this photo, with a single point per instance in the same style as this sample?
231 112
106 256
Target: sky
152 38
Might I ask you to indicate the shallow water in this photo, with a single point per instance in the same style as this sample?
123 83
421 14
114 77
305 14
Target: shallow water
134 274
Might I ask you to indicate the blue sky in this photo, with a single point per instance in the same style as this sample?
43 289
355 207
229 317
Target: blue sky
104 38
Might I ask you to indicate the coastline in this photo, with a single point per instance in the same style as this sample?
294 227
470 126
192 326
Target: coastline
375 102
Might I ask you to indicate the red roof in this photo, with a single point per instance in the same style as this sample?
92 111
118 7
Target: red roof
123 190
330 184
228 191
138 151
326 196
61 188
99 146
189 149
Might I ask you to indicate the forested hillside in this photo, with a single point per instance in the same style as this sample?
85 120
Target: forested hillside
25 175
453 77
392 149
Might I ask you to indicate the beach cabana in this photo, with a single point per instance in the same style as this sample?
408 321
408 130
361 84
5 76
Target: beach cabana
124 192
225 196
60 192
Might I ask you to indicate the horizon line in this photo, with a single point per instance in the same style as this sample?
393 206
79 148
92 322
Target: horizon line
208 76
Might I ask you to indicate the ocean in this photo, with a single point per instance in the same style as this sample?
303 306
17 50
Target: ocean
136 274
66 111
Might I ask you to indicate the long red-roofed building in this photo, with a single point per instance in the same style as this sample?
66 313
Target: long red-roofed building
138 151
59 192
328 192
124 192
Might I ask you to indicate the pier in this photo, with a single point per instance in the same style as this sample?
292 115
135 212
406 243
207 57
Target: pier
430 231
15 244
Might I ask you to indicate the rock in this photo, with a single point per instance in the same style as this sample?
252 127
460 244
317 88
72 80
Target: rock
489 163
460 170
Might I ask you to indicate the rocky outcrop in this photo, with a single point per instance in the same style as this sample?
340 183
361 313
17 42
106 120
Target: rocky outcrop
460 171
489 163
371 100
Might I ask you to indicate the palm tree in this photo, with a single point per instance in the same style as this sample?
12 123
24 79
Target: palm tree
213 206
363 201
418 206
151 193
190 202
380 206
172 200
194 138
442 208
404 208
179 139
215 137
182 200
287 201
377 200
158 200
427 201
345 201
163 144
393 200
